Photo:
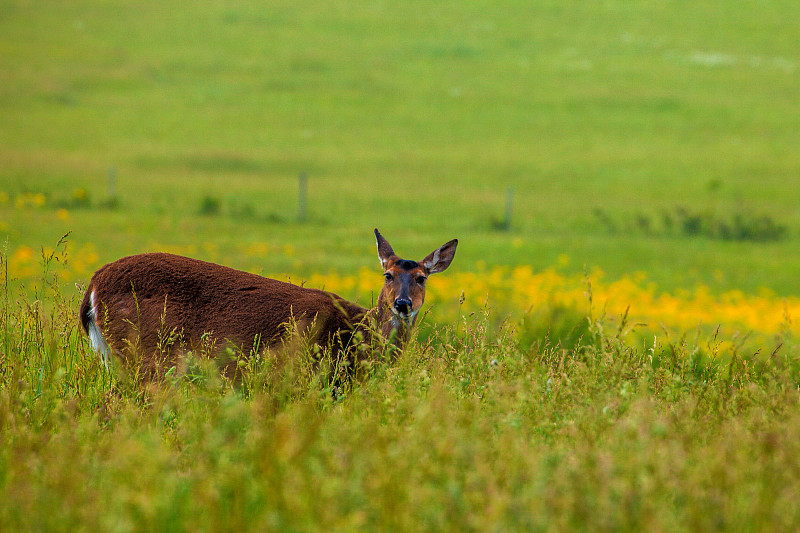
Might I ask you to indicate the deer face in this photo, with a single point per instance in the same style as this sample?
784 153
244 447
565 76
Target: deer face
404 286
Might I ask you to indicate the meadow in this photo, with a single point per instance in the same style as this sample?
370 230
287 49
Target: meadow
471 429
615 352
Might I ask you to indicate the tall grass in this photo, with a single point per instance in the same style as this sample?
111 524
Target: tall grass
470 430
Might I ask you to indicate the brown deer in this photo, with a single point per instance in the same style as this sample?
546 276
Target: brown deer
154 307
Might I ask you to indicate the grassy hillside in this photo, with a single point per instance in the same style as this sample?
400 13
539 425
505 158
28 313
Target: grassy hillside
630 133
652 145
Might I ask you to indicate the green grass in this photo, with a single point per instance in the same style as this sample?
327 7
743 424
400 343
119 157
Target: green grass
469 431
414 118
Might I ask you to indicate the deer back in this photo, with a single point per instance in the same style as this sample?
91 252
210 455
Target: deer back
158 303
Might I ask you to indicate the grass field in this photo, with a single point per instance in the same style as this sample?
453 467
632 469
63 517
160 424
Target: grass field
413 118
651 145
470 430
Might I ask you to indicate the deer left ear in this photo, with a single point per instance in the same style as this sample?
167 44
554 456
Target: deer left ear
385 251
440 258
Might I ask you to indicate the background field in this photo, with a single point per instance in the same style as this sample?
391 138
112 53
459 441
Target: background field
416 118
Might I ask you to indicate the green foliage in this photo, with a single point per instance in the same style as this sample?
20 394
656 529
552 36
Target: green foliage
469 430
688 223
555 323
413 117
209 206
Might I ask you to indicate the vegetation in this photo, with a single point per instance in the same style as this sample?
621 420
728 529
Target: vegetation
413 118
470 430
613 349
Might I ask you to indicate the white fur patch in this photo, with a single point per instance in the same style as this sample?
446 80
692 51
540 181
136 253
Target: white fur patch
408 319
381 259
96 336
431 265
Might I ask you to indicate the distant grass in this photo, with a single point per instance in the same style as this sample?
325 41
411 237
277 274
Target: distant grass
414 118
469 431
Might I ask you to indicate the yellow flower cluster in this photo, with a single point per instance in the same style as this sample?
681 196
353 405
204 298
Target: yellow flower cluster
26 200
25 263
520 289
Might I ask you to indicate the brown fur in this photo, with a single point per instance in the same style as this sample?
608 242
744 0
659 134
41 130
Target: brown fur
154 306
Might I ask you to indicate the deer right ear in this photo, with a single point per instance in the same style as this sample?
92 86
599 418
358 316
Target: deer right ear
385 251
440 258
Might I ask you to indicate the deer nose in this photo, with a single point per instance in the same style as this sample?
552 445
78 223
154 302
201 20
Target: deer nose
403 306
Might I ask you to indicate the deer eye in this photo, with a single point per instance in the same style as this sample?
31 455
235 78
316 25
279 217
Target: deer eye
421 279
388 276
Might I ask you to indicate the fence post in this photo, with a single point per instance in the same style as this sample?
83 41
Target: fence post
509 208
112 183
301 196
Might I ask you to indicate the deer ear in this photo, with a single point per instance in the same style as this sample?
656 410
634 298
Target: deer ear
441 257
385 251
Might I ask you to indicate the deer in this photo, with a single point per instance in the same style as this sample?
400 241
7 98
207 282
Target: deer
155 307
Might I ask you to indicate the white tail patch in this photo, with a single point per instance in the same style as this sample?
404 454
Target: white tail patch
96 336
